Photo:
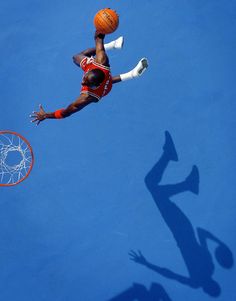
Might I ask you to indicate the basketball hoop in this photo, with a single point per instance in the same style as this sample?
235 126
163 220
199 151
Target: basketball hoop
16 158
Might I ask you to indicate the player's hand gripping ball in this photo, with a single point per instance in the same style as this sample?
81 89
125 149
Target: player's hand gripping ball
106 20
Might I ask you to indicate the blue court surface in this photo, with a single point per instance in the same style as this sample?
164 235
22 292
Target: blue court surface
133 198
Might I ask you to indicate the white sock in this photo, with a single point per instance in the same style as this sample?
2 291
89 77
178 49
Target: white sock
116 44
137 71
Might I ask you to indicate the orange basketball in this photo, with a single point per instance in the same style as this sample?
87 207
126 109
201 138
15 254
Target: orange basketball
106 20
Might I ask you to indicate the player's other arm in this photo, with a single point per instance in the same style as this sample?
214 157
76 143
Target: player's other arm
98 50
82 101
101 56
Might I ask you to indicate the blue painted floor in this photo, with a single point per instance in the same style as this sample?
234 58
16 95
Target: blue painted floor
133 198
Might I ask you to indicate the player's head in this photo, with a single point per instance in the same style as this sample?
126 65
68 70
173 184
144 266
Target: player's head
93 78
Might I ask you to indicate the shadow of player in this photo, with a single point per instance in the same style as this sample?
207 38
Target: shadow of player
194 250
138 292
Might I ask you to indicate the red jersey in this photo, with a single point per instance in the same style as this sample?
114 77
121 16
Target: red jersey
87 64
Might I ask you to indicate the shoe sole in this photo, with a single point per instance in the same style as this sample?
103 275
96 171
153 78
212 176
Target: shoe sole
144 63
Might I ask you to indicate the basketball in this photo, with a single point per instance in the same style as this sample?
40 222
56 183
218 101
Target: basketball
106 20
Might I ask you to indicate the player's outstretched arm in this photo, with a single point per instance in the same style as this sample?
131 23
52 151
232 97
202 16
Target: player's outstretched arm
77 105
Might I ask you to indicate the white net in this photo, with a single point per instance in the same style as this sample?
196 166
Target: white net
16 158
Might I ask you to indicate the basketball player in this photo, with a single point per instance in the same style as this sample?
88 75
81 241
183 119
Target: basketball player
97 80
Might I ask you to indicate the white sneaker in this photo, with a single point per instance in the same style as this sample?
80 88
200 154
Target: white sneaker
119 43
140 68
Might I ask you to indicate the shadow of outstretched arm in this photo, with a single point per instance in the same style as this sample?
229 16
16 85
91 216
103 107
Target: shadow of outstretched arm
139 258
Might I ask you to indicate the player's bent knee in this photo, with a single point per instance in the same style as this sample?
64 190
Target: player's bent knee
75 59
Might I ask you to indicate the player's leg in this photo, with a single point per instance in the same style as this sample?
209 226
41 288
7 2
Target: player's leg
116 79
138 70
116 44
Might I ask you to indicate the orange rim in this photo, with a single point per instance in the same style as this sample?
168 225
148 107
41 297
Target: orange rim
31 153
